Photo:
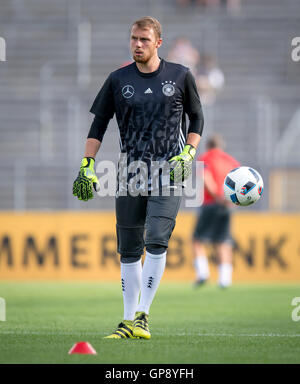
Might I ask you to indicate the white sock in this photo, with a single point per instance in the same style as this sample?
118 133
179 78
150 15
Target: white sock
131 277
225 274
153 269
201 267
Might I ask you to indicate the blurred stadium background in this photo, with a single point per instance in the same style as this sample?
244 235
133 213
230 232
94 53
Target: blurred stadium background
58 54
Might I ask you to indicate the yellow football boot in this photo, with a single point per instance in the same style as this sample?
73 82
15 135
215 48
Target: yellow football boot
141 326
124 331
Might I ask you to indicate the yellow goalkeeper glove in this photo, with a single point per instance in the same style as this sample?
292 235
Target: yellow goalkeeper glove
86 180
182 164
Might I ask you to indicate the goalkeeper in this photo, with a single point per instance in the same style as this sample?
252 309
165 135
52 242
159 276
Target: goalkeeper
150 99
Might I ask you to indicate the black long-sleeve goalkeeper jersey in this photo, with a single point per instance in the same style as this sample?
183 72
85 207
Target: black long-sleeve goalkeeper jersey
150 110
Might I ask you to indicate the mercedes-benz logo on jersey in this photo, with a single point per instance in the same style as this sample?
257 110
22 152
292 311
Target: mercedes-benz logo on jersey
128 91
168 88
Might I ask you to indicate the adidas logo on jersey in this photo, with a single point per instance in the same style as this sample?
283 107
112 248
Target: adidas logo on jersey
149 90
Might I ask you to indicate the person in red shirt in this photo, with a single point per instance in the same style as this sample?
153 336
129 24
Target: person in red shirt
213 224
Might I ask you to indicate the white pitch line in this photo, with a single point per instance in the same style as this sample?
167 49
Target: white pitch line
38 333
238 335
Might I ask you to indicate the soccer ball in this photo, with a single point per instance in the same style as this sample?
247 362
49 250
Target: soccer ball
243 186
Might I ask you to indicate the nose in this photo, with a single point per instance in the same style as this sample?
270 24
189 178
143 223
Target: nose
138 43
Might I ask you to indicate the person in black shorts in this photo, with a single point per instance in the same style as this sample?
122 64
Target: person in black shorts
150 99
213 223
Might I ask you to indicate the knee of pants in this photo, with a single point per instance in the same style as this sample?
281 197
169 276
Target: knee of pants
156 249
127 259
159 230
130 241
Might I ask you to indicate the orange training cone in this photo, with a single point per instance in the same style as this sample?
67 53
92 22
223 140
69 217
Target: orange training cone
82 348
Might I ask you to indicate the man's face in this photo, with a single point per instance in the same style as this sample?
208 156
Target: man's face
143 44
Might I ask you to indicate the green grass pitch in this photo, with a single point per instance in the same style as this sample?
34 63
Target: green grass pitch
248 323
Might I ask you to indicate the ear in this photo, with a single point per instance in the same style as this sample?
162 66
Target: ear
158 43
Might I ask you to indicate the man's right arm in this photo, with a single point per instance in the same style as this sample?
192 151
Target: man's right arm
92 147
103 109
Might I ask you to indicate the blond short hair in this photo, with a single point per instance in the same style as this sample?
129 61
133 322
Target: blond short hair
149 22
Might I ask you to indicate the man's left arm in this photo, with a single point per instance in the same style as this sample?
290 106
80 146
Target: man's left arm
193 139
193 108
182 164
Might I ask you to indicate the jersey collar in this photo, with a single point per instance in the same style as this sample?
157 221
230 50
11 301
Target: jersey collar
151 74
